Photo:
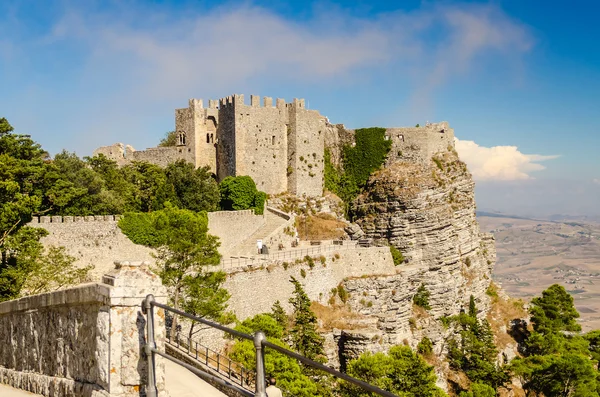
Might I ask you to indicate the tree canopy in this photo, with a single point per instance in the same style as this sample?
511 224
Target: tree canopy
240 193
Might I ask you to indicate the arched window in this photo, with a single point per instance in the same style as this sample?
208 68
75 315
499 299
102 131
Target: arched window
181 138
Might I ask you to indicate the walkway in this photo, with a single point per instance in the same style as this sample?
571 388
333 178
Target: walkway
180 382
7 391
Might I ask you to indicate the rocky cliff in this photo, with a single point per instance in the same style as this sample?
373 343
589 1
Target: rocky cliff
427 211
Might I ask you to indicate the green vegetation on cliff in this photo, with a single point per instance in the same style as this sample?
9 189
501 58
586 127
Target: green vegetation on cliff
358 163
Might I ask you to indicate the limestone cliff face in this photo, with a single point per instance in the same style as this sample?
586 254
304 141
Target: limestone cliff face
427 211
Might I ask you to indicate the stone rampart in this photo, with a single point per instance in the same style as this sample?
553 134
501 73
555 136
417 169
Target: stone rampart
84 341
233 227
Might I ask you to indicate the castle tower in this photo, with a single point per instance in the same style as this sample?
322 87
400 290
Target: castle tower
305 150
196 129
253 142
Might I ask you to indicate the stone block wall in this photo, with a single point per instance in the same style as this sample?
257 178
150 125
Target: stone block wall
305 150
84 341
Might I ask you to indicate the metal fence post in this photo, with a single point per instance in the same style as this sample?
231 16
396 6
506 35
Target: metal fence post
260 382
148 309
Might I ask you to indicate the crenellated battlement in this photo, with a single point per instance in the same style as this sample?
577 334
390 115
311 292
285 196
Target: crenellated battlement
74 219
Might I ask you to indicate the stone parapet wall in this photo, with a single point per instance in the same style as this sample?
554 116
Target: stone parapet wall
84 341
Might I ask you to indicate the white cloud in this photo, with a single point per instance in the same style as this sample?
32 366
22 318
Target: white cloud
131 63
499 163
224 46
596 181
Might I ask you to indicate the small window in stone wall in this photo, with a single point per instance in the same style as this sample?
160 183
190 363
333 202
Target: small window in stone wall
273 140
181 139
212 138
207 138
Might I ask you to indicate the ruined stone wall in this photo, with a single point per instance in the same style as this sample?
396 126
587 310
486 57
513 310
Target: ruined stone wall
163 156
121 154
419 144
233 227
306 150
261 143
92 240
84 341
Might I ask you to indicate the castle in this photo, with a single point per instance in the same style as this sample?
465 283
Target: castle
281 147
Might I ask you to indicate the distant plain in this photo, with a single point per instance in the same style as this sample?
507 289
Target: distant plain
534 254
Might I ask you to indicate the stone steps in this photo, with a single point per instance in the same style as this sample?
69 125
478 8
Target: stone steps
248 246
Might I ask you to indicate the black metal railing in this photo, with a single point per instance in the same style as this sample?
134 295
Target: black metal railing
212 360
260 342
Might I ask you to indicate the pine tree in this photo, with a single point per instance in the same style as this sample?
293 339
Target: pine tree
279 314
304 336
472 307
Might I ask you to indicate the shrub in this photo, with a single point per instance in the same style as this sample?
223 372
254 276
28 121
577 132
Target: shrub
322 259
397 256
342 293
303 273
425 347
310 261
439 164
421 298
412 322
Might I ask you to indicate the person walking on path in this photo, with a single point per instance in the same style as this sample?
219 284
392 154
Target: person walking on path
272 390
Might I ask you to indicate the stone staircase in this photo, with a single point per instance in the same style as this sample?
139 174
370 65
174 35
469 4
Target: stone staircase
248 246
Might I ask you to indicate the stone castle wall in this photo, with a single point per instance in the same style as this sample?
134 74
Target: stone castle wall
97 240
264 142
261 143
271 283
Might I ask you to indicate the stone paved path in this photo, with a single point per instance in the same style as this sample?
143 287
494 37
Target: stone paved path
7 391
179 381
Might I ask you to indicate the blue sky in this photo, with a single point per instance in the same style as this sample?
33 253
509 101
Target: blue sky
517 80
